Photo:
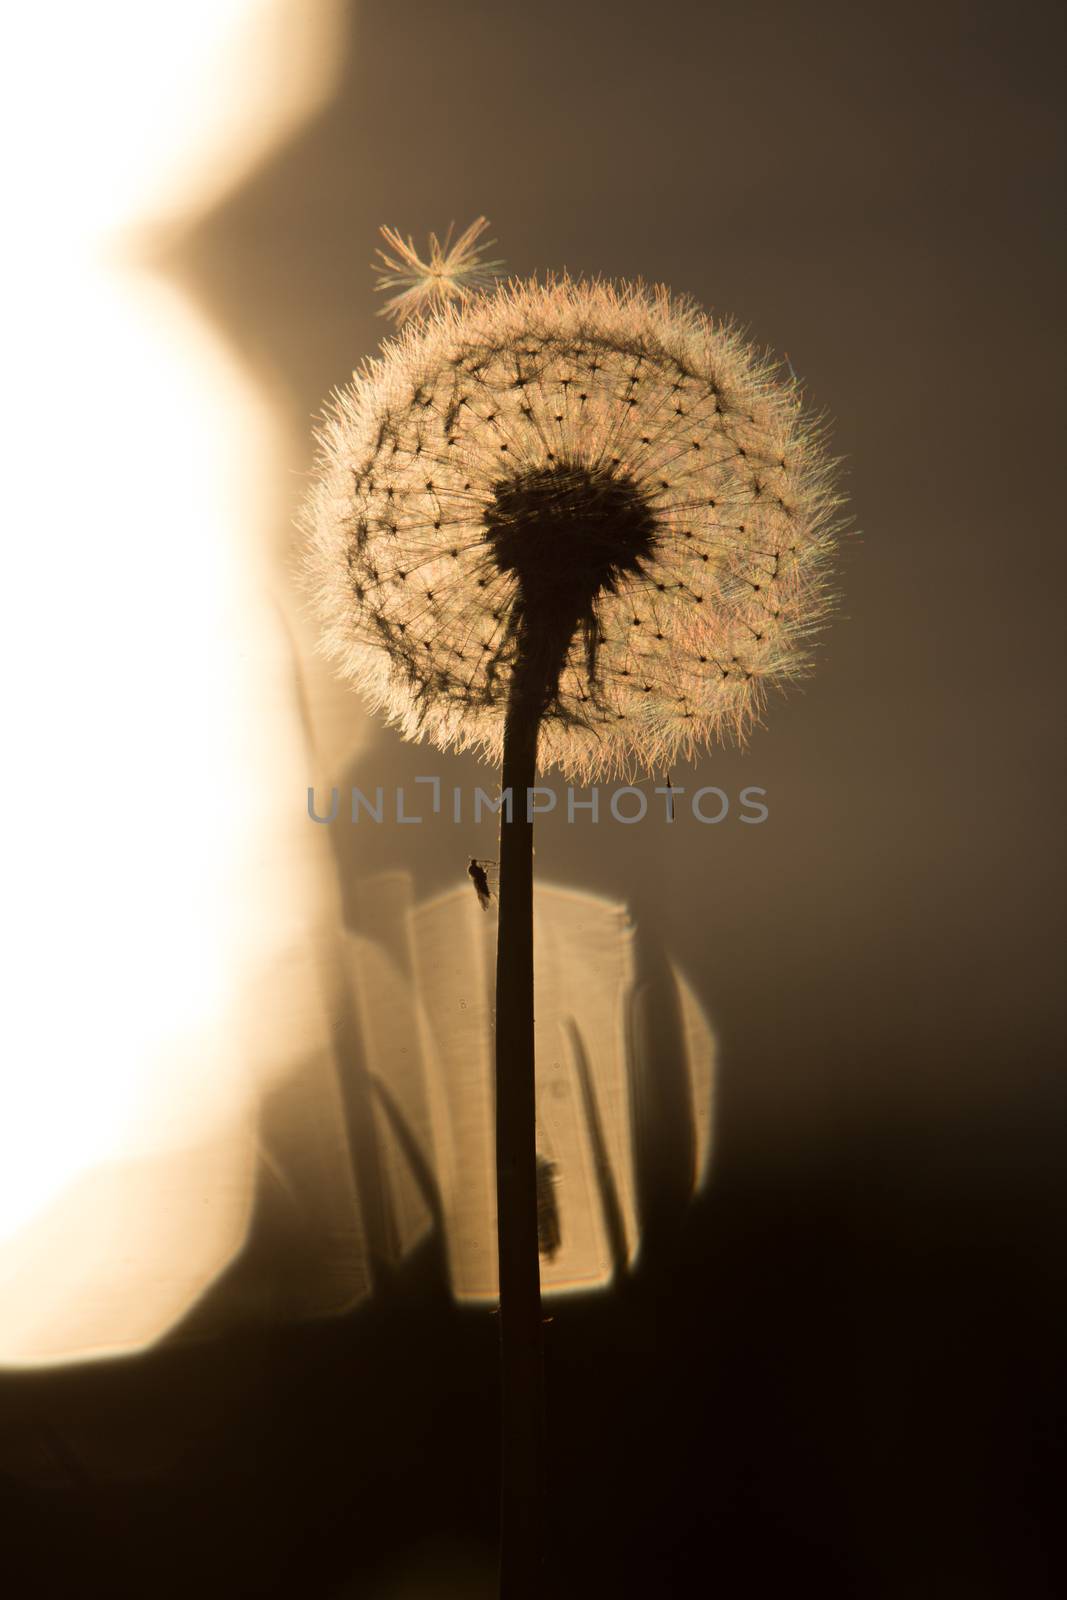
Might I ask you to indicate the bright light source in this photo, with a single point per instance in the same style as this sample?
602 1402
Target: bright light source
152 873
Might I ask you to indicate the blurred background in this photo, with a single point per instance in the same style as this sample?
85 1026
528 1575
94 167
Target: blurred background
804 1313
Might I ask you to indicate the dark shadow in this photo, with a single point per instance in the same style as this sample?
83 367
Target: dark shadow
410 1148
605 1179
660 1103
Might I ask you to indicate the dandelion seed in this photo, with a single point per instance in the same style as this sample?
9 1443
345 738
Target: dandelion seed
453 272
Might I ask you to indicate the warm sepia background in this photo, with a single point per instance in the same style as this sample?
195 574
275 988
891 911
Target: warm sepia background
230 1367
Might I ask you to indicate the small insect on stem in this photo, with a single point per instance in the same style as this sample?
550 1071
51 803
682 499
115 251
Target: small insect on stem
478 872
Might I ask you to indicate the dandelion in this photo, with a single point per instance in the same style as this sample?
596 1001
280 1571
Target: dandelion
573 525
601 467
453 272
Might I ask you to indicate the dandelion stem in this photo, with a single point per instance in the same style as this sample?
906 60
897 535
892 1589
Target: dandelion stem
521 1339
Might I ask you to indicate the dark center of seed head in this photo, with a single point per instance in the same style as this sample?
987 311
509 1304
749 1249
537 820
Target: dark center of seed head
566 534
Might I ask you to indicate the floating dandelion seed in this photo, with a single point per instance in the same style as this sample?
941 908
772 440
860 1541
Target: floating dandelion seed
575 525
453 272
605 454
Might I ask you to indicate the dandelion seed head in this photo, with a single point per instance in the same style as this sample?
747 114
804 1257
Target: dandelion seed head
552 440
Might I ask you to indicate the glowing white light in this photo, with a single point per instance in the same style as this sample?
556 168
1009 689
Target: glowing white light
151 873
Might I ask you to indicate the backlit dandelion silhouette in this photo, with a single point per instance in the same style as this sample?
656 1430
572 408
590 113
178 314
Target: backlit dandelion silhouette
601 468
576 525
